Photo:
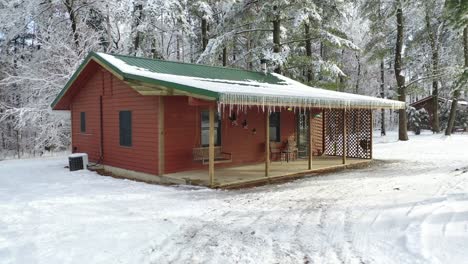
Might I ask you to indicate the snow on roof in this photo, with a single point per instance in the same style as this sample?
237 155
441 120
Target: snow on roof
285 93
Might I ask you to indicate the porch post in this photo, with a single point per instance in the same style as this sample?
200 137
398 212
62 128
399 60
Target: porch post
211 146
309 137
344 137
267 143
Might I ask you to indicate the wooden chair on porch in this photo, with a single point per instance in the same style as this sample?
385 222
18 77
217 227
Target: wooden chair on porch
365 145
291 150
276 150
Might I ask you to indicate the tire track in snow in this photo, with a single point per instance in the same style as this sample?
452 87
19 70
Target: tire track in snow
355 198
342 250
446 185
339 238
199 234
349 238
419 225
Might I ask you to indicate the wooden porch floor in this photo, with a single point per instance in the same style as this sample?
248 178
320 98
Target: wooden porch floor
254 174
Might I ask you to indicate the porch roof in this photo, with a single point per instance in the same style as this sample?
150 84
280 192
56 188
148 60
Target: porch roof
227 86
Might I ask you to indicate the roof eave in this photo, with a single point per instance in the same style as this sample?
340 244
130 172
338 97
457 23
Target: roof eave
179 88
275 101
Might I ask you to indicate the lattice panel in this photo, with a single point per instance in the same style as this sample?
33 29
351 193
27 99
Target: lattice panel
358 133
333 136
358 124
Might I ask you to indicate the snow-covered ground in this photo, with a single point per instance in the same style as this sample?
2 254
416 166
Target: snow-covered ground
410 207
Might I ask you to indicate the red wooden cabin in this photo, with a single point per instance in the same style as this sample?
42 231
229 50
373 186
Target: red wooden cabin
163 121
428 104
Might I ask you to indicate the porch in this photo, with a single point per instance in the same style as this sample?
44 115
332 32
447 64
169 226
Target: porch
254 174
319 140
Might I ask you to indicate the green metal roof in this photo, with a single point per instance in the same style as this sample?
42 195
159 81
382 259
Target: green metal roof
173 68
197 70
225 85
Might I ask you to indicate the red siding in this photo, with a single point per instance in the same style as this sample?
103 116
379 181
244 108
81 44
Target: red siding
143 154
116 96
182 127
87 100
181 135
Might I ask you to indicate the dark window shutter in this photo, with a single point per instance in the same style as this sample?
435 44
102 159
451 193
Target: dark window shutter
125 125
82 122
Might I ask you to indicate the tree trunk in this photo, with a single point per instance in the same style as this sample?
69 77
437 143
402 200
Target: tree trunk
453 112
402 122
456 93
69 4
192 57
308 48
249 53
3 141
276 37
234 50
204 29
18 144
108 30
358 79
341 79
341 83
435 69
224 56
137 13
178 48
382 95
154 51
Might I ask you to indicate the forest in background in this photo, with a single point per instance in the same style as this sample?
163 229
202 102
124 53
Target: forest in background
398 49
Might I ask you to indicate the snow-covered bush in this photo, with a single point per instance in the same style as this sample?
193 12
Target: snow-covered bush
417 119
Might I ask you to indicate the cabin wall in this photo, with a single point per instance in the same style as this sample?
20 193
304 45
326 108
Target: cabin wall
87 100
180 134
142 156
247 145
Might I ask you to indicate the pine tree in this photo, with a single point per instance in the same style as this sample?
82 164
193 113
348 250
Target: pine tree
377 47
457 12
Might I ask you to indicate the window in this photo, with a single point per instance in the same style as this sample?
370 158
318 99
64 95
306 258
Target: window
205 128
275 127
82 122
125 125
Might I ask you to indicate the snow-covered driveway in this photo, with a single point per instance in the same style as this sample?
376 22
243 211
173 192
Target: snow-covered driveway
410 207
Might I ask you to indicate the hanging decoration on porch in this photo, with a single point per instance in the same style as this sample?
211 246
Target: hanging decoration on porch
254 131
245 125
233 118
